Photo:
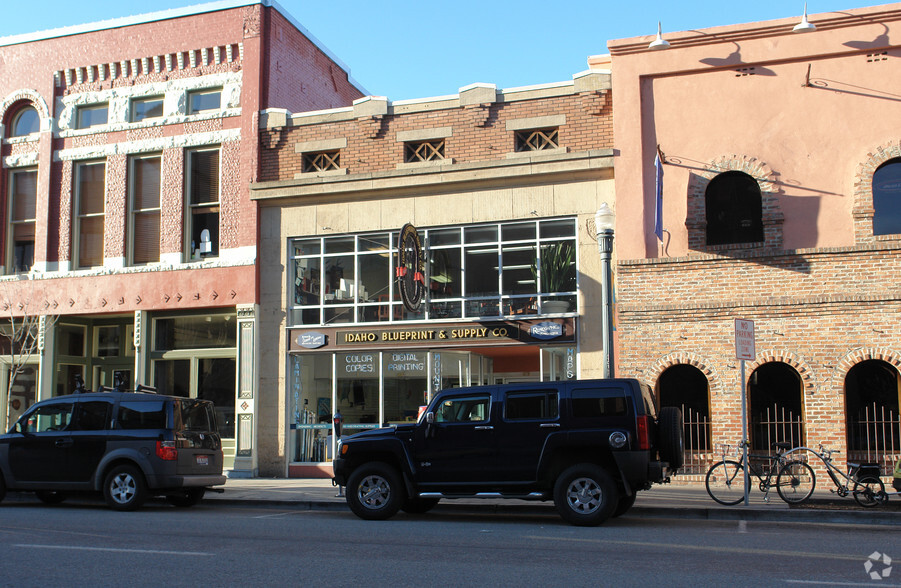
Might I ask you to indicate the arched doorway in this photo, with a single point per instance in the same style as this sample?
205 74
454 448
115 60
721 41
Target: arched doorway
776 406
871 413
686 387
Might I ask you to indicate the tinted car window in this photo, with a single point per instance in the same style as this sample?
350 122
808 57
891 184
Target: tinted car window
598 402
531 405
92 416
142 415
194 416
50 417
464 410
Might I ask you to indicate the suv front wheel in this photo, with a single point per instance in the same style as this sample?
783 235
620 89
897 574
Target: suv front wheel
375 491
124 488
585 495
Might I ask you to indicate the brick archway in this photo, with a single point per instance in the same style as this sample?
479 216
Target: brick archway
652 374
864 211
696 220
29 96
788 358
854 357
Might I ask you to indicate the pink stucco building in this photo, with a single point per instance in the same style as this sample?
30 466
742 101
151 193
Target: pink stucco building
781 199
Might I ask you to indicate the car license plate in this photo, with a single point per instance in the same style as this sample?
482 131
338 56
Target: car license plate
203 460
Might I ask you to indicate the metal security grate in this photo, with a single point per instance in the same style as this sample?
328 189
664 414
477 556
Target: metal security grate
537 140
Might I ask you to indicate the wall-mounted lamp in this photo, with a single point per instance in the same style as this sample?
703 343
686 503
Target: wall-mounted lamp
804 26
659 42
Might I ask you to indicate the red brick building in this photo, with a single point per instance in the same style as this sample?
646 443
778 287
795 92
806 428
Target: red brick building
128 147
498 185
781 200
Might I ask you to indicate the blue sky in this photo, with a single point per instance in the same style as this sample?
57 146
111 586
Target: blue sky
419 49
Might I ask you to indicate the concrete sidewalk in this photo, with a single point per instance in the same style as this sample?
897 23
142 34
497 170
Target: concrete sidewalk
683 501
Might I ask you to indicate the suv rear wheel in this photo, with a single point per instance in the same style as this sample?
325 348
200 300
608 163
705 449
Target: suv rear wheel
585 495
375 491
124 488
670 440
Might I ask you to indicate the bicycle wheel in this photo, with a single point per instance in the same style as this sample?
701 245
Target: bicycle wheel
869 491
726 482
795 482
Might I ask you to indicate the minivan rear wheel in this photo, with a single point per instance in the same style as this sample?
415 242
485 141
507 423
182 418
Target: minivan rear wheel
124 488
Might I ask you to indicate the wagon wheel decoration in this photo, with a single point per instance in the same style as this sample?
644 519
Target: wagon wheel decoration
410 268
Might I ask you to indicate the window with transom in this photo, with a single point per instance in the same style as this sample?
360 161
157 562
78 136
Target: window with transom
24 122
144 201
22 200
424 151
321 161
537 139
90 187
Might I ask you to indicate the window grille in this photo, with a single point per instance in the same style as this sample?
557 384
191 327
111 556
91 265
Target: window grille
322 161
424 151
537 140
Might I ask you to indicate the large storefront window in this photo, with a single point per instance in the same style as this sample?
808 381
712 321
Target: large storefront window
473 272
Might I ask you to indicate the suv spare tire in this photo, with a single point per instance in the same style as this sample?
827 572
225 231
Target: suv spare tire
669 436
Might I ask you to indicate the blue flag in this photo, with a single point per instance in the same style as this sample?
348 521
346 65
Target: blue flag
658 207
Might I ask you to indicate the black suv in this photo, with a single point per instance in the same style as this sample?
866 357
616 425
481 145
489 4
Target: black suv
128 445
589 445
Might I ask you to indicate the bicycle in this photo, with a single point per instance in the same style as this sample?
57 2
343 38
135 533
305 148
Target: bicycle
862 480
725 479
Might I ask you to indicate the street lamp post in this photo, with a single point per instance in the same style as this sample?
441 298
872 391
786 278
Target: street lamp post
604 220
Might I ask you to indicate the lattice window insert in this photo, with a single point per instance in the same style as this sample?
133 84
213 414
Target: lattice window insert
424 151
537 140
322 161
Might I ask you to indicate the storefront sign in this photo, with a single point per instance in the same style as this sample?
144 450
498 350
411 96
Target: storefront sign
450 334
546 330
311 340
359 363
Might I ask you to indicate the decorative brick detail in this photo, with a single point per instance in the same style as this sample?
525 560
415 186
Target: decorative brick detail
478 114
252 24
25 95
696 220
371 126
864 211
595 102
886 354
273 139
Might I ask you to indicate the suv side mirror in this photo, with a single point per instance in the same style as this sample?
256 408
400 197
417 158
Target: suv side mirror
430 418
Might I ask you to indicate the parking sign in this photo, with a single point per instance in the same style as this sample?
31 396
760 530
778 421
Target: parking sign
744 339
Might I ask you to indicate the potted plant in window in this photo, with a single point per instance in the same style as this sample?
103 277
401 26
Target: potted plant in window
558 274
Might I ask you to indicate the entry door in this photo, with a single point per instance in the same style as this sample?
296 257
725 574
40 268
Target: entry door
460 446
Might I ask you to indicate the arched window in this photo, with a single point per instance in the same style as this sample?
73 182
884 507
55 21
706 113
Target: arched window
25 122
887 198
734 209
776 413
686 387
871 412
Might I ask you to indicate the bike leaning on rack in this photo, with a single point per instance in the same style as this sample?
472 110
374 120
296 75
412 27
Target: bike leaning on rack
862 480
725 479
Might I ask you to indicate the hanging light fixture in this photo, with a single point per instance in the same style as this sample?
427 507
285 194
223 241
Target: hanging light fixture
659 42
805 26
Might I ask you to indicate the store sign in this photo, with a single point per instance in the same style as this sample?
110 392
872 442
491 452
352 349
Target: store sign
311 340
546 330
446 335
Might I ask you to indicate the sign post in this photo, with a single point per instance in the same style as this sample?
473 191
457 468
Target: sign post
744 349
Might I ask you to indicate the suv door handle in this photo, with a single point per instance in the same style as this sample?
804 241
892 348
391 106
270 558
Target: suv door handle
484 428
549 425
63 442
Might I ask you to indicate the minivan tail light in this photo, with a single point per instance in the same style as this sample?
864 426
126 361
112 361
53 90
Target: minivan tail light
644 441
166 450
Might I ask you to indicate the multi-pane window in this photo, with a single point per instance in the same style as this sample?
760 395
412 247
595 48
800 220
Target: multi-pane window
22 198
536 139
734 209
91 116
887 198
89 197
146 108
25 122
416 151
203 202
144 201
321 161
478 271
204 100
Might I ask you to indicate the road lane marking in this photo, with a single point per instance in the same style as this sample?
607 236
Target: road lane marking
282 514
715 548
113 549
